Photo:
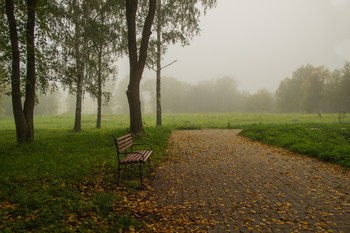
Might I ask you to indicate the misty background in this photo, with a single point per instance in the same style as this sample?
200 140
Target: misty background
247 49
259 43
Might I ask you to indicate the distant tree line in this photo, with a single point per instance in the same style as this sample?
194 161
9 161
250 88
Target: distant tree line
314 90
310 89
217 95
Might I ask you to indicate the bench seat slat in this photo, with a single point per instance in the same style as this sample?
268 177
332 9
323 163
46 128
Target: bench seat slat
146 154
136 157
130 158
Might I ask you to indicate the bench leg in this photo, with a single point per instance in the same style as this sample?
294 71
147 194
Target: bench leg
141 174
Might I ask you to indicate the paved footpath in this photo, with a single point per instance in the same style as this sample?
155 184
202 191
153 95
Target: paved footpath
242 186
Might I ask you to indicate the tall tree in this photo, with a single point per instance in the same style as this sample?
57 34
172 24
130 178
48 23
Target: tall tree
31 72
105 44
88 43
137 59
24 117
72 16
176 21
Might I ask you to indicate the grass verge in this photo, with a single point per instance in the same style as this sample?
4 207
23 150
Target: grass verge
327 142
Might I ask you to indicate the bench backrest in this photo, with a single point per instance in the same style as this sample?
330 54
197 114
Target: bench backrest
123 143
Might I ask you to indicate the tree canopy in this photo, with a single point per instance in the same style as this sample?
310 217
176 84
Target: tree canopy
315 89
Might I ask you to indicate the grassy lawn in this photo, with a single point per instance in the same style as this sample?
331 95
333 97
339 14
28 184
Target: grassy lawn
327 142
66 181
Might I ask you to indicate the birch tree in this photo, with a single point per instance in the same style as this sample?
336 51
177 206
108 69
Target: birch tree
105 46
176 22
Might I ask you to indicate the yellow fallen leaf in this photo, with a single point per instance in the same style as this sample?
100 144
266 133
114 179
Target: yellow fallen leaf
131 229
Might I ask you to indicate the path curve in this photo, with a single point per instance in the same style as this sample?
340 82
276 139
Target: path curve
237 185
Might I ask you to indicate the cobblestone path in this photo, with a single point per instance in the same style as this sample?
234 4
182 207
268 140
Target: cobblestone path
242 186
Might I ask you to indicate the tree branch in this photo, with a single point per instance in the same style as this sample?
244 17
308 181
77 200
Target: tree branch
168 64
155 70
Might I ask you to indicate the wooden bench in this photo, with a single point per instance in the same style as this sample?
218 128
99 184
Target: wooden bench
128 155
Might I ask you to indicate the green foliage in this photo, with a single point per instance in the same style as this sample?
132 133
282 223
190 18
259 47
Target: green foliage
327 142
44 49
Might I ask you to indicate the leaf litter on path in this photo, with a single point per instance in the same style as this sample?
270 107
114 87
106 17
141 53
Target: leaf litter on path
237 184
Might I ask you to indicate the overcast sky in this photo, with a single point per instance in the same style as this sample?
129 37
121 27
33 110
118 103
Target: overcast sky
260 42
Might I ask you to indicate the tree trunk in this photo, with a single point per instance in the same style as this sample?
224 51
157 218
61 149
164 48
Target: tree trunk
78 103
133 94
79 93
137 63
158 96
30 82
99 112
79 72
20 122
159 68
99 91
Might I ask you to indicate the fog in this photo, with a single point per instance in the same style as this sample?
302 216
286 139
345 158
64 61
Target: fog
259 43
246 49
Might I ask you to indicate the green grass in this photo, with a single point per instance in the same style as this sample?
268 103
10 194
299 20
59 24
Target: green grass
239 120
327 142
66 181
